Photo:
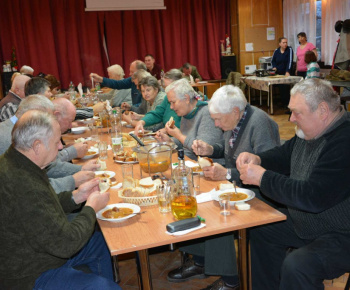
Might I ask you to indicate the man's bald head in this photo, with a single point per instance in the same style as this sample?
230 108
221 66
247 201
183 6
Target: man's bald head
65 113
18 85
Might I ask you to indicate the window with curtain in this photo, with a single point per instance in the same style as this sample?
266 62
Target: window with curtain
316 18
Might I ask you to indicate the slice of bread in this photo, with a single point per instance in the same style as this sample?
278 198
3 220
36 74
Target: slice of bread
223 186
242 206
146 182
205 161
171 123
104 185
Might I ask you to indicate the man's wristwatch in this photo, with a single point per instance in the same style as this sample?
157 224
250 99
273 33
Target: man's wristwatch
228 174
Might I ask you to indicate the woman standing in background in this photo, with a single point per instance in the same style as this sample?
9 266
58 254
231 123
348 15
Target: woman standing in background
301 50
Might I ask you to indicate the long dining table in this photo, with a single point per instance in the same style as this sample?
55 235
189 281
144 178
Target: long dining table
148 230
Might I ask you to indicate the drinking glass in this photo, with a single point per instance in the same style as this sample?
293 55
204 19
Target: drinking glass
128 175
164 193
196 183
102 147
224 200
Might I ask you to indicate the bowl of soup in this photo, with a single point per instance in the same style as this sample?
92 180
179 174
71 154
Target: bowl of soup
242 195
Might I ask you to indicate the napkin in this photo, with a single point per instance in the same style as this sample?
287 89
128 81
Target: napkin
205 196
80 89
180 233
96 147
119 185
187 163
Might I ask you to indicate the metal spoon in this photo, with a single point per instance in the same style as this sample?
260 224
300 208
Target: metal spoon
139 212
234 185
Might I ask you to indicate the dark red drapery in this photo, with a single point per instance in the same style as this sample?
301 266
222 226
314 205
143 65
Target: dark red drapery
59 37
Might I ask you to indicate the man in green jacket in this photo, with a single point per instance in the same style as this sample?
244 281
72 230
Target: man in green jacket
191 73
39 246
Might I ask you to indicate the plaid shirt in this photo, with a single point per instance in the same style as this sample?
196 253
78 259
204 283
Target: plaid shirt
235 131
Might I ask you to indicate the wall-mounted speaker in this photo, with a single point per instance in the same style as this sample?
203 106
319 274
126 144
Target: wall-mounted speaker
228 64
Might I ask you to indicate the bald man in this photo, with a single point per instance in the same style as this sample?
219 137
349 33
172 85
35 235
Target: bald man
9 104
65 114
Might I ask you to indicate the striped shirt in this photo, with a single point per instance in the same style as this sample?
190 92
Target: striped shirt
313 70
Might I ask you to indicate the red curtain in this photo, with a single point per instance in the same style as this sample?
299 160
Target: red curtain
60 38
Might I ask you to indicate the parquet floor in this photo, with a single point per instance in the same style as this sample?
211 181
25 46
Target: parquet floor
162 260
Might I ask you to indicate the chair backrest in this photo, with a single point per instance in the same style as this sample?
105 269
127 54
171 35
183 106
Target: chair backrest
234 78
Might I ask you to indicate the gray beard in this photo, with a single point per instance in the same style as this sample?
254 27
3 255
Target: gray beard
299 133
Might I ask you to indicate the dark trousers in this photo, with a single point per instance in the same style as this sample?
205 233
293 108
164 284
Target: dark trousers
301 74
285 94
312 261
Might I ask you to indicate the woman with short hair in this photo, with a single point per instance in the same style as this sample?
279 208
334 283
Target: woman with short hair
196 123
157 118
152 97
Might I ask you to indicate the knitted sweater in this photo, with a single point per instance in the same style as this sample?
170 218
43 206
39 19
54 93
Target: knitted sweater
257 134
145 106
200 127
312 179
161 113
35 235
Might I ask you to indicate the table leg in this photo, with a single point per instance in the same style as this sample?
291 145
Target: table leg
145 270
249 94
243 260
260 98
271 94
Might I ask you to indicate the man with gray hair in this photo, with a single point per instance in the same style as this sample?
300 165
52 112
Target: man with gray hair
62 175
33 217
26 69
309 174
125 83
116 97
9 104
246 128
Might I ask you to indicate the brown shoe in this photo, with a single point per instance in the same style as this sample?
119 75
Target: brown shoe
189 270
221 285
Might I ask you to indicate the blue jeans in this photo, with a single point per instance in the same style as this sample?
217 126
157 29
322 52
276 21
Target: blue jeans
96 256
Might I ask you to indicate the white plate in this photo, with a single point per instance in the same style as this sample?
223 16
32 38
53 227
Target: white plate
87 121
95 151
202 82
251 194
135 208
78 130
109 173
126 162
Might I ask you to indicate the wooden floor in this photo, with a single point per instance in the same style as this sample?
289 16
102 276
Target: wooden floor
162 260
